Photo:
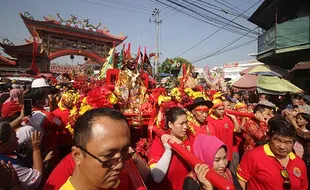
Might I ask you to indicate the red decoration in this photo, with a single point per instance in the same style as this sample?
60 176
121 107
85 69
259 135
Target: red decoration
241 114
143 146
97 97
134 175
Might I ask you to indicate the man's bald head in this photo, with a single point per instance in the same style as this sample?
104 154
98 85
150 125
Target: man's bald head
84 125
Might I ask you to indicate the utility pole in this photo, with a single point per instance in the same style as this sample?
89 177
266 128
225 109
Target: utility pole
157 22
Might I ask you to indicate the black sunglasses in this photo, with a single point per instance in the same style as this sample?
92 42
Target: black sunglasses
111 162
285 175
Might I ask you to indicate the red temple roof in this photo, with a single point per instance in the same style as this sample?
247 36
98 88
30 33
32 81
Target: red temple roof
4 61
57 27
16 50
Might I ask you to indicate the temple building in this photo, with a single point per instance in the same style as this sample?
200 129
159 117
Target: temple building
53 38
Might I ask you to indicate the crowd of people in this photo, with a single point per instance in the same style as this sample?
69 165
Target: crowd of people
269 148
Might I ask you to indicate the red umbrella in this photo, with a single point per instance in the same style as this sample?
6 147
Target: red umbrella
246 82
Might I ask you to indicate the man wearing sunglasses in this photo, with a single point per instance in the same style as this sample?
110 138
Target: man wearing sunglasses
101 148
273 165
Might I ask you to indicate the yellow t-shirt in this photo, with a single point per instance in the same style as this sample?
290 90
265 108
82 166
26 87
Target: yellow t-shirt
67 185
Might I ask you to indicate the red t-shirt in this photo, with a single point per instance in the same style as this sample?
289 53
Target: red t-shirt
178 168
262 171
49 123
223 130
65 169
201 129
64 137
63 115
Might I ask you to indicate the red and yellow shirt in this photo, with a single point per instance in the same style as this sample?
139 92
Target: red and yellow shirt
223 130
262 171
200 129
178 168
254 132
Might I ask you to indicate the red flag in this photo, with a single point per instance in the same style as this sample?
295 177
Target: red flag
144 55
128 50
35 35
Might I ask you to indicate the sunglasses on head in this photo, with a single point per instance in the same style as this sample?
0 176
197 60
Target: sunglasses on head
111 162
286 177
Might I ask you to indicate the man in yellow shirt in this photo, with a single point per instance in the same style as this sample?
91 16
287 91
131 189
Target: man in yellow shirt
102 145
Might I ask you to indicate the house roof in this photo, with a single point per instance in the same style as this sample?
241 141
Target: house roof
301 66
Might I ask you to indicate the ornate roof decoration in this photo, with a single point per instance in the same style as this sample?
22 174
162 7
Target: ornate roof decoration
7 42
70 25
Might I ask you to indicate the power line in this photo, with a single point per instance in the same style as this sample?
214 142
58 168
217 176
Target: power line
173 12
229 44
104 5
236 25
215 7
232 7
185 31
216 21
203 20
217 52
167 11
117 2
215 32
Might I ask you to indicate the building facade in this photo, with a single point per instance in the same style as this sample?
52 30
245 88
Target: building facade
285 39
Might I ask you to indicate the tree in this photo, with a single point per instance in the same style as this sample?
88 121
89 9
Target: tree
173 65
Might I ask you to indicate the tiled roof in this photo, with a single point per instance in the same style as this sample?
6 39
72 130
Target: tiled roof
27 48
301 66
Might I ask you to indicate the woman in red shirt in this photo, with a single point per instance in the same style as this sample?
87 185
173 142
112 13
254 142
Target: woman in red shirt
168 169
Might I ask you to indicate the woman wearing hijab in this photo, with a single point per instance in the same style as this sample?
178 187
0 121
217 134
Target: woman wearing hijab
213 153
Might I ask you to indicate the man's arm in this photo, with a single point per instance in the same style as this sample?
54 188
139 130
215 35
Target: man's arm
300 132
142 167
242 183
17 122
256 131
236 123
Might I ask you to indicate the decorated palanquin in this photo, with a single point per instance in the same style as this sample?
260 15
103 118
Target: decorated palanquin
131 81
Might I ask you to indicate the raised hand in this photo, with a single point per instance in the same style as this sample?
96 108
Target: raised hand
36 139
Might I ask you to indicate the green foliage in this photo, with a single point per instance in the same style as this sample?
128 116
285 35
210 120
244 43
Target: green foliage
173 64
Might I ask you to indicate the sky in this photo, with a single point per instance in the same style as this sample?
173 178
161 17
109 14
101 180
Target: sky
178 32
